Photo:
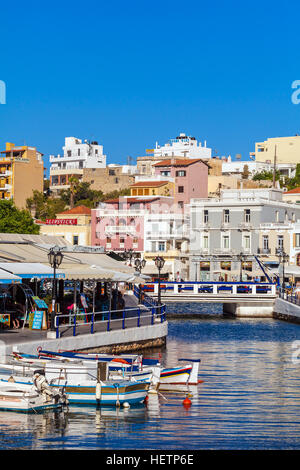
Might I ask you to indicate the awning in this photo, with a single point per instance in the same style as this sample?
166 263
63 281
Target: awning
152 269
31 270
8 278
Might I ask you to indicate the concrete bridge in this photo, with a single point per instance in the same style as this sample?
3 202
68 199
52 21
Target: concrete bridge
238 298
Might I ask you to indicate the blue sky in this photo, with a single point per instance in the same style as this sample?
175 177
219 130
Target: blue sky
131 73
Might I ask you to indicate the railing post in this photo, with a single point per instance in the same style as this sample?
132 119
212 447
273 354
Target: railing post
161 313
195 288
108 321
175 288
234 289
123 321
74 327
215 289
273 289
92 324
139 317
155 288
254 289
56 320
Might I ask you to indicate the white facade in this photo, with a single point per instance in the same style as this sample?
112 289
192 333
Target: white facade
237 167
183 146
78 155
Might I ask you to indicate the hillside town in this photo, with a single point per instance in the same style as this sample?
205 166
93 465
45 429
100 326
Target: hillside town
210 217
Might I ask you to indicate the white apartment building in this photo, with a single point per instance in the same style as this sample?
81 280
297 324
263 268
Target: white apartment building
166 234
237 167
182 146
230 232
77 156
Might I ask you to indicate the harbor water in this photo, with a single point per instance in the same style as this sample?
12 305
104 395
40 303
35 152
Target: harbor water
249 398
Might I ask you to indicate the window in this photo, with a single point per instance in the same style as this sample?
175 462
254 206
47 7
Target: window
226 216
69 153
122 242
161 246
277 216
225 241
116 180
78 152
298 259
75 239
181 173
165 173
111 172
246 242
180 204
205 216
265 242
96 151
280 242
297 239
247 216
181 189
205 241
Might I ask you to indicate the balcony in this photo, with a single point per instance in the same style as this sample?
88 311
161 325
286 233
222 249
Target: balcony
167 235
114 229
224 251
245 226
263 251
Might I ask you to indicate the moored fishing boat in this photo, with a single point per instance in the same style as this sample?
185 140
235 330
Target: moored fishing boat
30 397
81 383
179 375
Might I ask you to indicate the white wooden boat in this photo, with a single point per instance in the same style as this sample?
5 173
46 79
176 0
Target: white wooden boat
28 397
80 383
179 375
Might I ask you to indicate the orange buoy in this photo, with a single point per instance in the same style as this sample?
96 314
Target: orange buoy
146 399
186 402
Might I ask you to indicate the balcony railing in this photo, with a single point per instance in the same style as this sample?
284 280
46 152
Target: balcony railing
263 251
120 229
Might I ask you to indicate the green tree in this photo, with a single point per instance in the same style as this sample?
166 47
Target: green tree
14 220
44 207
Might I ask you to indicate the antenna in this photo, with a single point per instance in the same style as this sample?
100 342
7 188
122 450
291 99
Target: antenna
274 169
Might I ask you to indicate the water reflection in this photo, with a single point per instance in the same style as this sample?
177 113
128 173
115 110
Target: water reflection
249 398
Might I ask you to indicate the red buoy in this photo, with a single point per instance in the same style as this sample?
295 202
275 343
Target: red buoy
146 399
186 402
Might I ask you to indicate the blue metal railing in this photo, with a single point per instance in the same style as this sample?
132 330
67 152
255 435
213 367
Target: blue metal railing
110 318
288 296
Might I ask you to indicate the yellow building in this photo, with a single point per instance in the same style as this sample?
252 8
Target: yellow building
21 172
74 225
152 188
287 150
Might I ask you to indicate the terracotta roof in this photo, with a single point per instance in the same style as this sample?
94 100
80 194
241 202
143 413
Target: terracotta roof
293 191
179 162
79 210
149 184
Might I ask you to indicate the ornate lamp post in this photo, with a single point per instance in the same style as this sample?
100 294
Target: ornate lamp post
139 264
128 254
55 258
283 258
159 262
242 259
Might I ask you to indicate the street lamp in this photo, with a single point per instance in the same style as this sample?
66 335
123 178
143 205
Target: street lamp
159 262
128 254
139 264
55 258
283 258
242 258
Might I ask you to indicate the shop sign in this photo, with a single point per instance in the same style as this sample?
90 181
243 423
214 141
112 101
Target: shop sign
61 221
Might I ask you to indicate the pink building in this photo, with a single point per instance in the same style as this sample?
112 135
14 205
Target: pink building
190 176
118 224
